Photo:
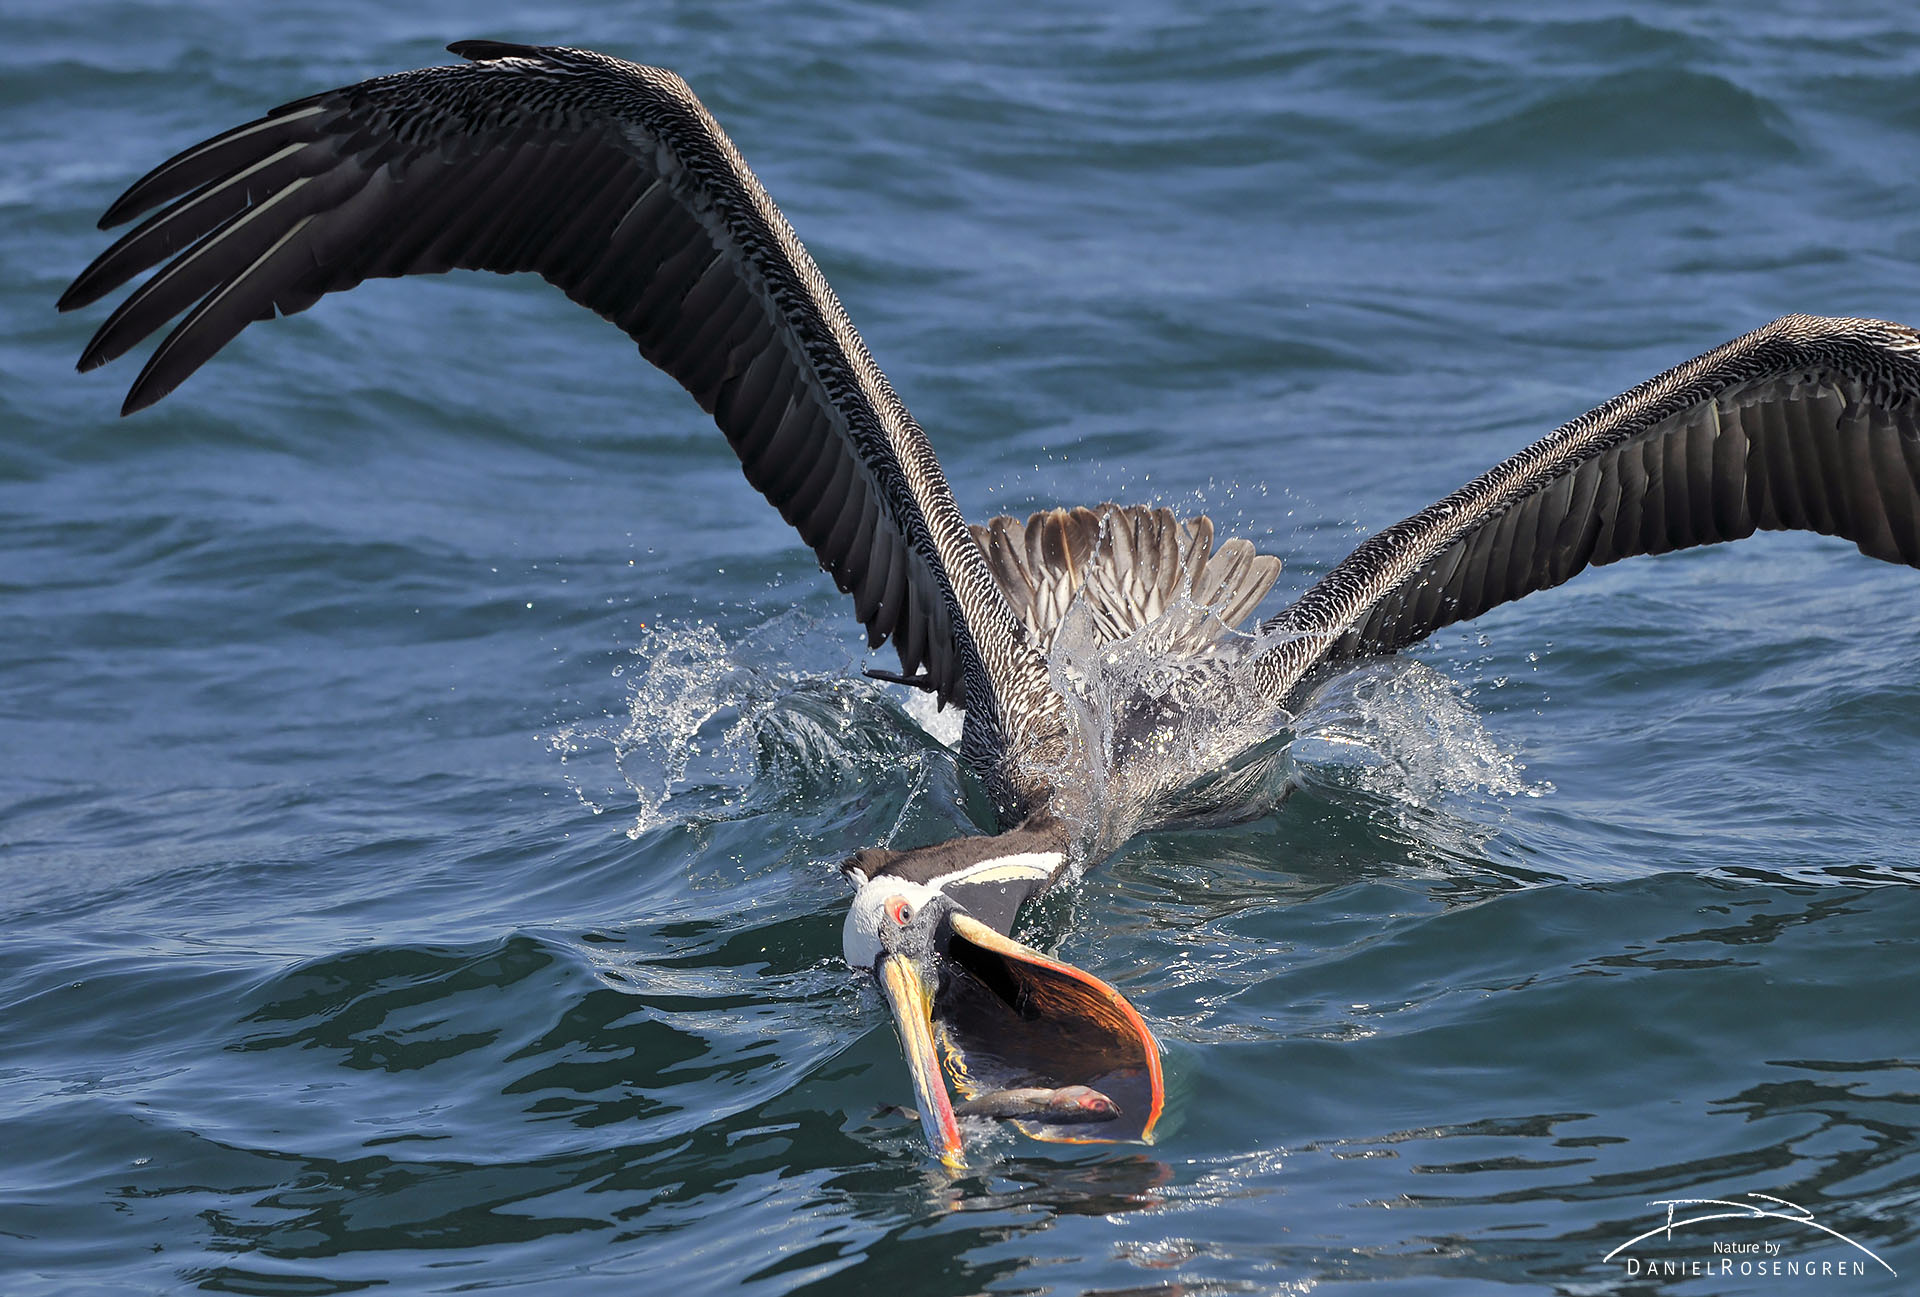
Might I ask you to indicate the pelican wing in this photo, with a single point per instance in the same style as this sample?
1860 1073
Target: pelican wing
611 181
1808 424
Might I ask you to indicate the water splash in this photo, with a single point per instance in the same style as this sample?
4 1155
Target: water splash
686 681
942 724
1400 734
728 726
1404 730
1171 726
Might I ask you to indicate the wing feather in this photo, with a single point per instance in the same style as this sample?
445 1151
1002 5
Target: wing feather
1127 567
613 182
1808 424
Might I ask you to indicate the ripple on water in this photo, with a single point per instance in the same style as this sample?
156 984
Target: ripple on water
316 973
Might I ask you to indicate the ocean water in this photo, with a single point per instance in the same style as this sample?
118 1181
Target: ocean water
424 761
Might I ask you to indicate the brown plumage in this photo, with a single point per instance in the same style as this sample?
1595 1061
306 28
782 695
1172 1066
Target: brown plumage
611 181
1127 567
1808 424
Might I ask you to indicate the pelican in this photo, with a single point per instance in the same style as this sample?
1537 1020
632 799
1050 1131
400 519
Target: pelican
1096 651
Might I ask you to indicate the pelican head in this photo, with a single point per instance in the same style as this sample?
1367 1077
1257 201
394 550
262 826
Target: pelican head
930 925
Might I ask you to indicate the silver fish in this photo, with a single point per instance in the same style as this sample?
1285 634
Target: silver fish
1070 1104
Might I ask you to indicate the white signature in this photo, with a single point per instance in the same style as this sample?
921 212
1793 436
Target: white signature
1764 1206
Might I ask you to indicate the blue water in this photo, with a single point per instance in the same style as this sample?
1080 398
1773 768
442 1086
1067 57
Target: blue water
423 760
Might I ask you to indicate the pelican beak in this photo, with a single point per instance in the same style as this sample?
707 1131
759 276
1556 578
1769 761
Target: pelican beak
1011 1016
905 985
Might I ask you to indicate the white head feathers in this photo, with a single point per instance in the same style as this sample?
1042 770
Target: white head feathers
860 938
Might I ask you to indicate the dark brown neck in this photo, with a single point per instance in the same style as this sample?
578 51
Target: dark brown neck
992 877
1039 834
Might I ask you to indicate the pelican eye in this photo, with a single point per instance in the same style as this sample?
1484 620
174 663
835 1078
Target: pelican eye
899 911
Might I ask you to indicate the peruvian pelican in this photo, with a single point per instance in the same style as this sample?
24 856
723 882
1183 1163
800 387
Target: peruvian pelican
612 182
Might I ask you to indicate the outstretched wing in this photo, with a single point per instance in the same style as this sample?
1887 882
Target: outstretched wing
611 181
1808 424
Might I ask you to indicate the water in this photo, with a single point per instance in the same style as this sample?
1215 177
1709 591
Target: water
425 760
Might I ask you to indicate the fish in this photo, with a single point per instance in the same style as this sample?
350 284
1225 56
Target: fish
1067 1105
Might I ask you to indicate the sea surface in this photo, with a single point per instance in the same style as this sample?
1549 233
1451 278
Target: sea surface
424 762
